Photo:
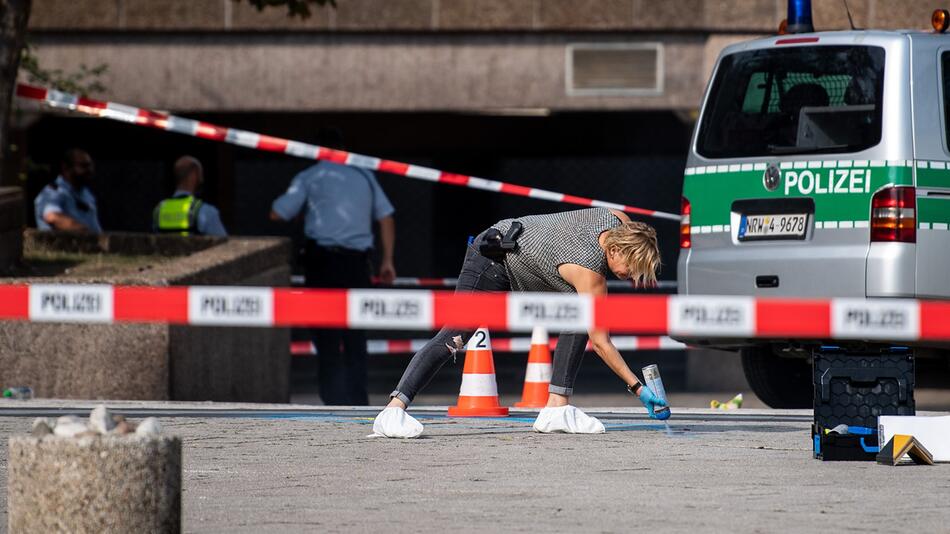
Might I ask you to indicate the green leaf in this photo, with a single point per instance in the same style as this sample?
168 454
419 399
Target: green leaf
84 81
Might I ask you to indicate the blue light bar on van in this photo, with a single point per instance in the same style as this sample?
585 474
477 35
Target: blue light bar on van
799 17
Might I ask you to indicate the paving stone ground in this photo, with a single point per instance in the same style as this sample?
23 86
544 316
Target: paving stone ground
269 468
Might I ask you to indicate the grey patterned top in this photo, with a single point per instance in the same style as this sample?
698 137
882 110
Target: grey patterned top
548 241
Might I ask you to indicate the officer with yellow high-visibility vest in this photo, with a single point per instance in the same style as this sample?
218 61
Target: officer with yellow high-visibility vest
184 213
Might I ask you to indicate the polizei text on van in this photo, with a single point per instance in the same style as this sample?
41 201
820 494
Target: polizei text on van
828 181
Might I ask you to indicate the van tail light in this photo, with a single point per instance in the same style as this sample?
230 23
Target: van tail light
685 239
894 215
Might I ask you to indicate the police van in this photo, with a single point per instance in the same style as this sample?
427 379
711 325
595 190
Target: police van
820 167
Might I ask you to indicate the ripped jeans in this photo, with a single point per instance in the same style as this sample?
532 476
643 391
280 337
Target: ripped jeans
482 274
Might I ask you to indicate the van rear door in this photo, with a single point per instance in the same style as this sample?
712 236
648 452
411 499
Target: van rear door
785 160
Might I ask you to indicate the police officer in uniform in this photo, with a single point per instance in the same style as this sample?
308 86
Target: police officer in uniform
340 204
184 213
68 203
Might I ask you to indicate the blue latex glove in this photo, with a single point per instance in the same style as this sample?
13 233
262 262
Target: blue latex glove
651 401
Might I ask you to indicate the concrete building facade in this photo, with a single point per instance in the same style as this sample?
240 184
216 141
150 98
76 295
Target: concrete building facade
413 55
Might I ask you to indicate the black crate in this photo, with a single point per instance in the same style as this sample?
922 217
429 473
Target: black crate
854 389
830 446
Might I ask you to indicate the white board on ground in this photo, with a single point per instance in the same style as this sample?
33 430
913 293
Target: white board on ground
932 432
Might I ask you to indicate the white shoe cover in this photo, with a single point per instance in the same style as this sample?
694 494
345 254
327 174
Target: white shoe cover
567 419
394 422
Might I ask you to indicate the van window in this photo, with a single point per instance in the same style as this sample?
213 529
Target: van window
796 100
945 73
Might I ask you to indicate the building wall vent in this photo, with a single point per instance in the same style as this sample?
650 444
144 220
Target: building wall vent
615 69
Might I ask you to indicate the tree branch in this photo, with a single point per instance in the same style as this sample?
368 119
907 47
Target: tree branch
14 15
295 8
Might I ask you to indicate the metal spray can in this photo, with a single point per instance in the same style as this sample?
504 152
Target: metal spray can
651 378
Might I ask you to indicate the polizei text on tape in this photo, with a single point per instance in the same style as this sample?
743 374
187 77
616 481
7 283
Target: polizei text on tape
389 308
723 316
554 312
875 319
230 306
71 302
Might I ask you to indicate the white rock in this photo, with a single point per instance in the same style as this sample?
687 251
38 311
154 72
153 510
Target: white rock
62 420
43 426
122 428
48 421
148 427
69 429
100 420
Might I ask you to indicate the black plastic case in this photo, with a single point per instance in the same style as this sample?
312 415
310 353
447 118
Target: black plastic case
854 389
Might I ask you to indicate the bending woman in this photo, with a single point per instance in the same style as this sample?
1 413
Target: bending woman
567 252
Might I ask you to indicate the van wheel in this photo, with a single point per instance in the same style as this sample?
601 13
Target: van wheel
779 382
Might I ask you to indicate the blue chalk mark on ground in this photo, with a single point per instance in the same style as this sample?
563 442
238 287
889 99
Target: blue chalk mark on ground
326 418
634 426
465 422
363 419
671 432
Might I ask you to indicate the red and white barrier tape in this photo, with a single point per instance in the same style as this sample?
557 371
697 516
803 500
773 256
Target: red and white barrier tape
299 280
511 344
888 320
266 143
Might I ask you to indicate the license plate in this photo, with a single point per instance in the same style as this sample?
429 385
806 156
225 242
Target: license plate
782 226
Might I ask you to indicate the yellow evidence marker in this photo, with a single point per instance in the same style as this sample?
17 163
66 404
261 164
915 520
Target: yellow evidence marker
732 404
900 445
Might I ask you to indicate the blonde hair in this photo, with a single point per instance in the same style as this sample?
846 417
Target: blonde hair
636 242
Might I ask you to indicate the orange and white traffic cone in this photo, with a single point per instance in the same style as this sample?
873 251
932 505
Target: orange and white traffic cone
478 396
537 378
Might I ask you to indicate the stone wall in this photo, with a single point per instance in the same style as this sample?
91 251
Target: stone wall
102 484
118 243
156 361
